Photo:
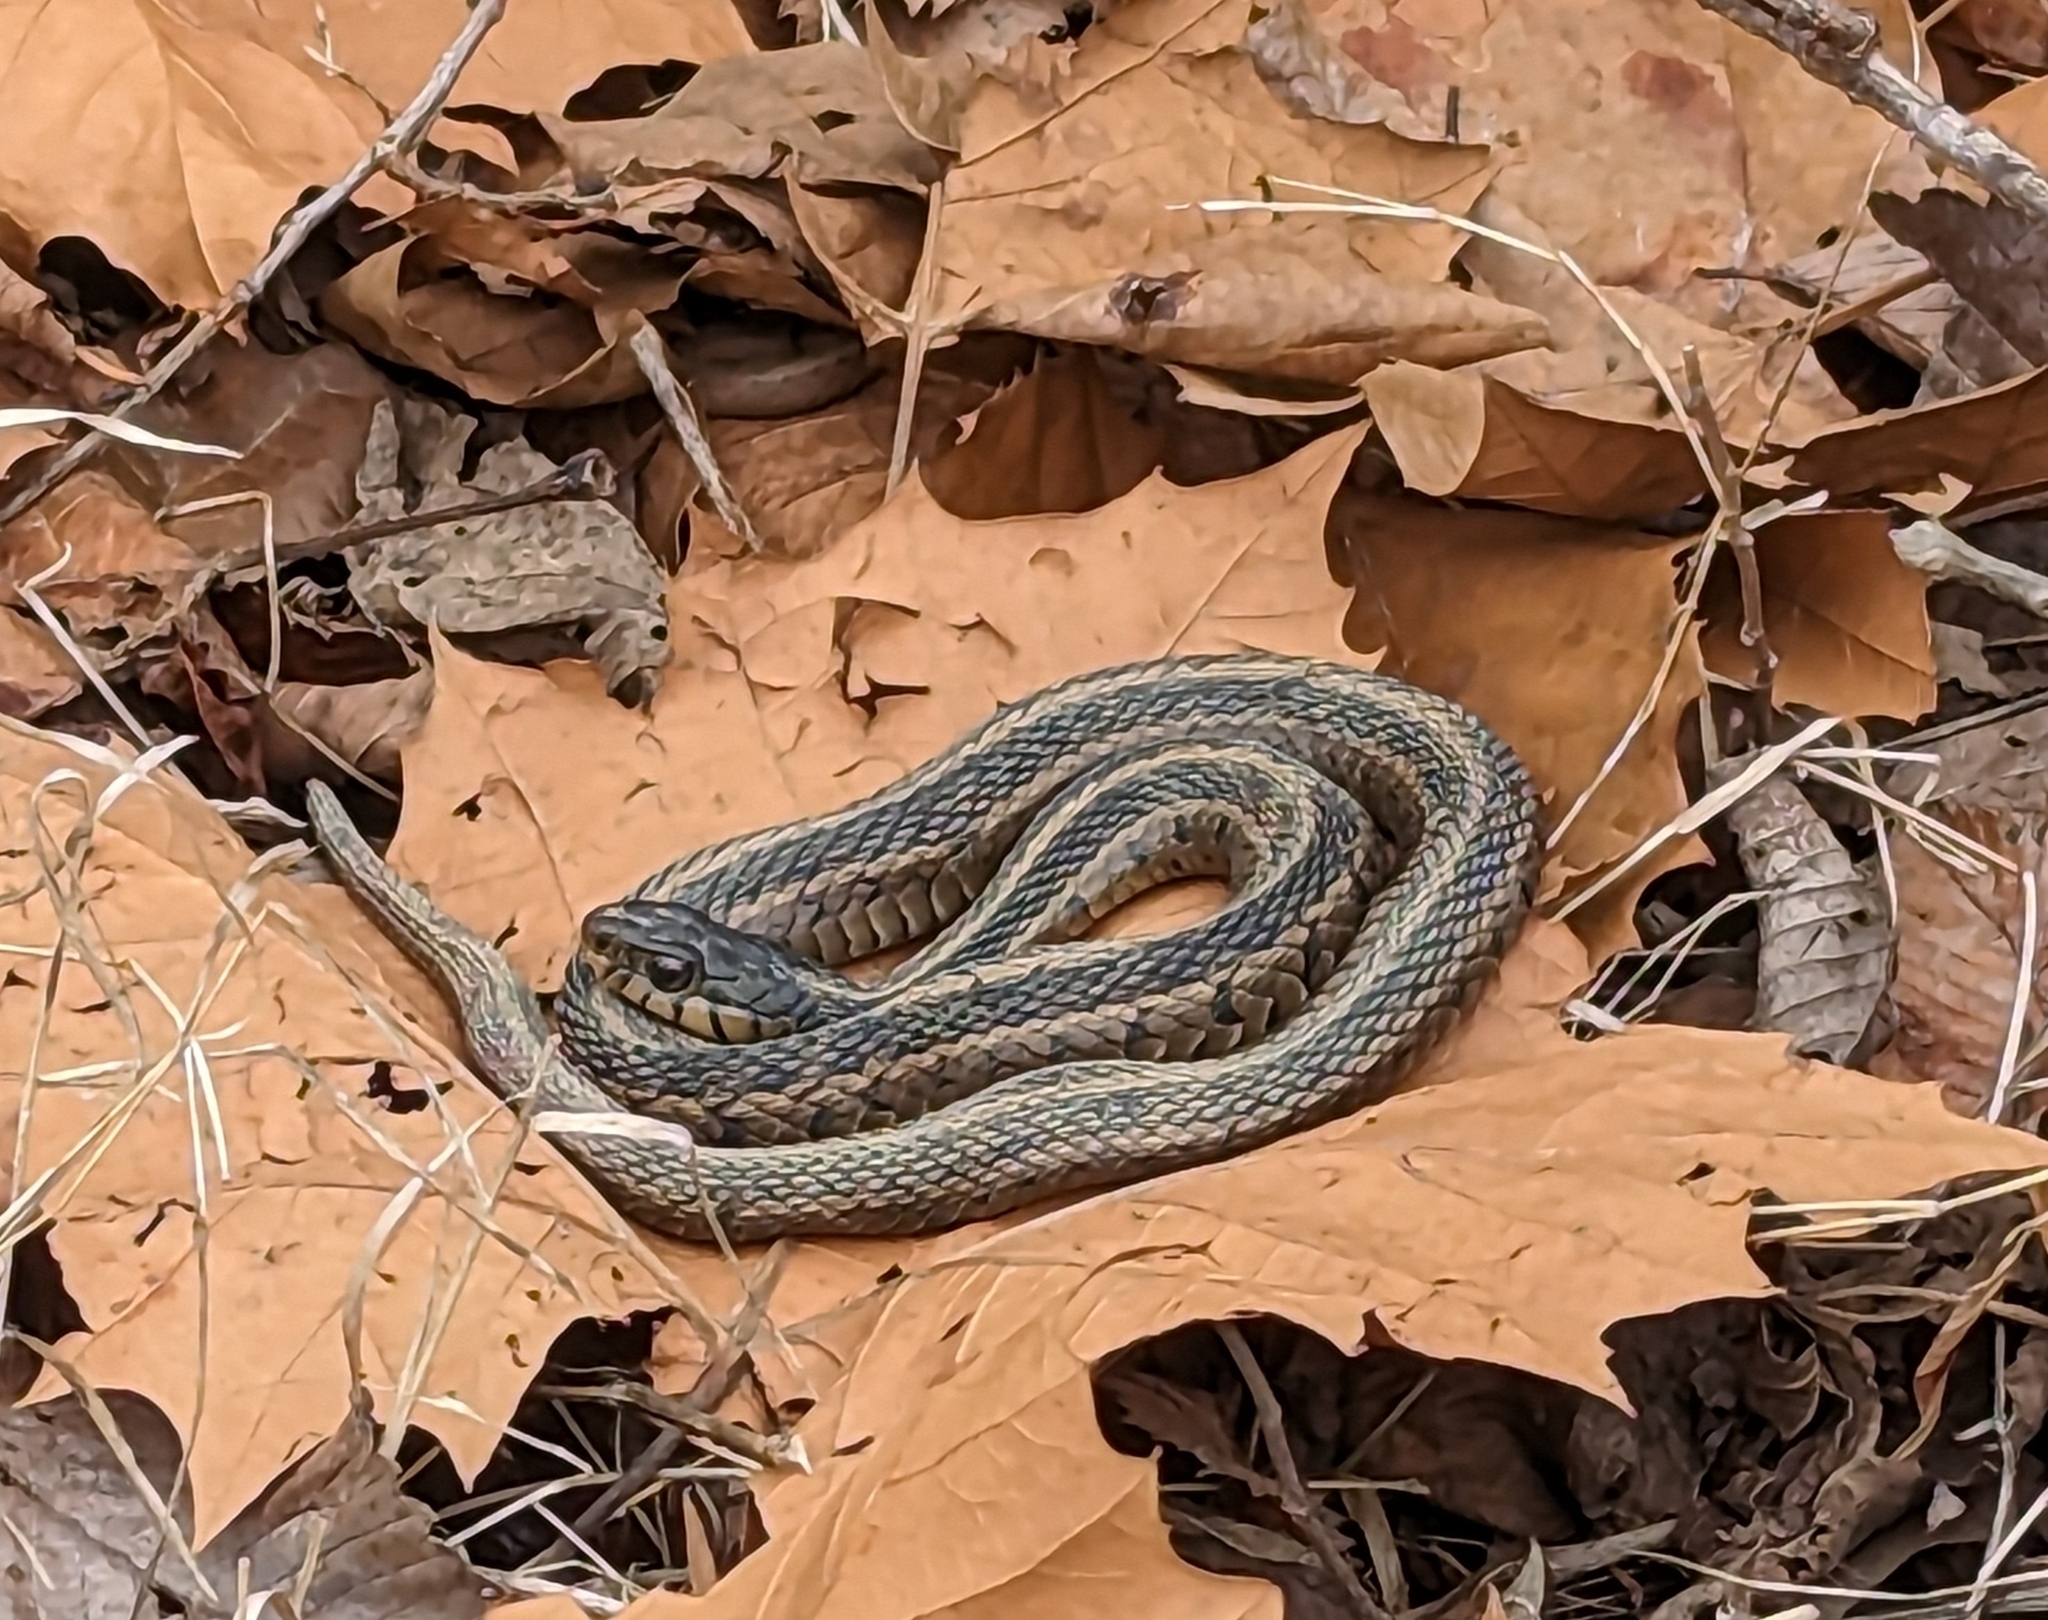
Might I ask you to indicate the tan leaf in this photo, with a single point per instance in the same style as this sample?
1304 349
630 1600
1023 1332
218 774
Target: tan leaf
818 111
1995 441
366 724
1960 932
806 479
1846 618
124 573
1551 630
1446 1215
298 420
1066 216
1469 435
1909 325
915 617
303 1114
176 139
1053 441
505 350
1657 143
1594 368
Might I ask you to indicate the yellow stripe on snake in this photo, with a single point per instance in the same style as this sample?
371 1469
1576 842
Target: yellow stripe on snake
1381 846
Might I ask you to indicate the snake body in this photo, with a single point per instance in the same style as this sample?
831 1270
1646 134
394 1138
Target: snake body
1453 799
1302 857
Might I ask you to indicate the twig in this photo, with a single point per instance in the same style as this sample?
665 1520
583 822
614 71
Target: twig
1741 539
401 137
1840 47
2008 1464
1294 1500
652 356
1930 546
763 1451
917 336
1697 815
711 1388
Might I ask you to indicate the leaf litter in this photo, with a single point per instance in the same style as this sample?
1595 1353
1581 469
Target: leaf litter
1598 370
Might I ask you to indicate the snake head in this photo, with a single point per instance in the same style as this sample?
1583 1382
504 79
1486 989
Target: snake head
681 966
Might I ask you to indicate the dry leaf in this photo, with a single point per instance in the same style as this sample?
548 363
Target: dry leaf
799 687
367 724
35 673
817 112
1069 222
1994 441
804 480
84 1547
126 579
1594 368
298 420
1551 631
2006 31
1989 252
1908 326
1315 74
1653 140
420 305
1471 436
1959 931
567 566
1055 440
1845 616
175 140
960 1465
303 1113
1824 957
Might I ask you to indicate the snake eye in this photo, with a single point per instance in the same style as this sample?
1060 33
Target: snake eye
672 975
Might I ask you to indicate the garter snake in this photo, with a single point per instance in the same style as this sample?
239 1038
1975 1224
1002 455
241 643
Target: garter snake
1302 856
1456 804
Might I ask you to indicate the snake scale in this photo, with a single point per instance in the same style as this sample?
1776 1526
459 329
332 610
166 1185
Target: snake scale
1453 801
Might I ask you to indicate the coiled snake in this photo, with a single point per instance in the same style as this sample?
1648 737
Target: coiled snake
1455 803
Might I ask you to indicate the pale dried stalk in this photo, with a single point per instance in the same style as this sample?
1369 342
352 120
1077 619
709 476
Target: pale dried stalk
1930 546
1697 815
651 355
400 139
917 335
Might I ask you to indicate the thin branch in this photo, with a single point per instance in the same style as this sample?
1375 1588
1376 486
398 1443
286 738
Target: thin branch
1294 1500
652 356
918 335
1840 47
400 139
